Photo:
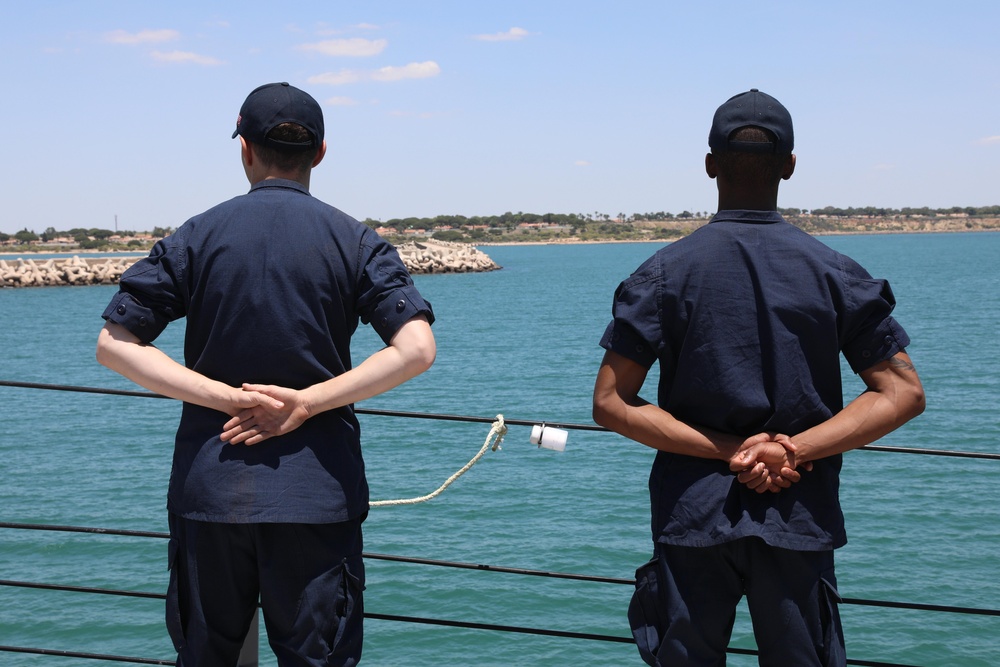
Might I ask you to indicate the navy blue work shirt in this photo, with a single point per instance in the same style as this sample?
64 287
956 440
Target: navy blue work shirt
273 284
747 317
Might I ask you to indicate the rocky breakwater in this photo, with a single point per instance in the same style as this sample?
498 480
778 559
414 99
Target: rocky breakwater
72 271
444 257
419 257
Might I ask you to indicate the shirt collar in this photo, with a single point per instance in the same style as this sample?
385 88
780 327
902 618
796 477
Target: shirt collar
742 215
279 183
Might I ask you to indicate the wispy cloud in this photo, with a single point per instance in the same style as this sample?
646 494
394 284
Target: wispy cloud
184 57
340 102
337 78
582 163
989 141
421 115
512 35
141 37
356 47
324 29
422 70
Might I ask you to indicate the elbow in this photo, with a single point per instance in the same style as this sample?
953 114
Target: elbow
423 356
103 354
600 413
428 357
916 402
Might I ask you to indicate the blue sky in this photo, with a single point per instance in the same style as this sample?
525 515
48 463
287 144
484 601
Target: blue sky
114 108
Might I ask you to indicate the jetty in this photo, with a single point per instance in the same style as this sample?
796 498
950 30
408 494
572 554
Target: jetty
419 257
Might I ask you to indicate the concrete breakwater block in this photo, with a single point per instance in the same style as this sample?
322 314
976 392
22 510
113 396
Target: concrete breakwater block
444 257
22 272
419 257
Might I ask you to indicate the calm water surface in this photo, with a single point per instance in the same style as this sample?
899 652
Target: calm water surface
521 342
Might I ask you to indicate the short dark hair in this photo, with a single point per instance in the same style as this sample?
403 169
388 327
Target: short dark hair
752 169
287 159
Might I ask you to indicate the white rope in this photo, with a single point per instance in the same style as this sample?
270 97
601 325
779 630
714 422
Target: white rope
497 431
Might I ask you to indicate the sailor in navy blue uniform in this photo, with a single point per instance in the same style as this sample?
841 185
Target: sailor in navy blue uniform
268 491
747 318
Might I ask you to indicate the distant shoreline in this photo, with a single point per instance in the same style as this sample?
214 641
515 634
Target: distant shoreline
882 227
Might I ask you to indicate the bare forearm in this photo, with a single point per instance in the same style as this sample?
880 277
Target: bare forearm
656 428
617 406
894 396
410 352
377 374
149 367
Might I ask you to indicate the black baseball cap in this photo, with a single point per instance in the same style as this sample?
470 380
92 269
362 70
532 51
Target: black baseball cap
269 105
757 109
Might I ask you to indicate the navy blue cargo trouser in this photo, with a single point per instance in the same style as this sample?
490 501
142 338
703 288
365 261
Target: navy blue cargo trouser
684 606
309 579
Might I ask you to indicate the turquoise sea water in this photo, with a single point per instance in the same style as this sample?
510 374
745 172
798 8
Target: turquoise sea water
521 342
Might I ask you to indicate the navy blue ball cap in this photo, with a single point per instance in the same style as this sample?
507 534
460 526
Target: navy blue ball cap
272 104
751 108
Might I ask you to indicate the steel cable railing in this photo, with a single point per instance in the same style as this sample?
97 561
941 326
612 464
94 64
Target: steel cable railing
479 420
425 561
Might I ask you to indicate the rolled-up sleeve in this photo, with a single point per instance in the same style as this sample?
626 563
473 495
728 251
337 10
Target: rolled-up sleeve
150 293
869 332
387 297
635 332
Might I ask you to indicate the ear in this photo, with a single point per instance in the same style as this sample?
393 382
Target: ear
789 168
245 152
710 167
320 154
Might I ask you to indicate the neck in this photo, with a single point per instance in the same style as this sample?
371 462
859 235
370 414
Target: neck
302 179
751 199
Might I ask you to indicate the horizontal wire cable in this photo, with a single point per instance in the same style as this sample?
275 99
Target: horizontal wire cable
977 611
424 561
479 420
468 625
85 656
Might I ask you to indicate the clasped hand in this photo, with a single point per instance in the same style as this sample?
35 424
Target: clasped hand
279 410
766 462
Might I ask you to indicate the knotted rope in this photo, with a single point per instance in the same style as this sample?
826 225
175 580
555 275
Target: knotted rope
493 440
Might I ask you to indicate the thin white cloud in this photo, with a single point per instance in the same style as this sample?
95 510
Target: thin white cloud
419 115
340 102
355 47
582 163
512 35
422 70
989 141
184 57
337 78
141 37
324 29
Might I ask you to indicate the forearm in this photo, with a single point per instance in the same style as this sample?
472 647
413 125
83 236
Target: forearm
149 367
617 406
654 427
375 375
866 419
410 352
894 396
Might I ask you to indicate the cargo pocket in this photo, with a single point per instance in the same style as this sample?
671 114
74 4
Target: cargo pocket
834 653
345 632
175 625
644 611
